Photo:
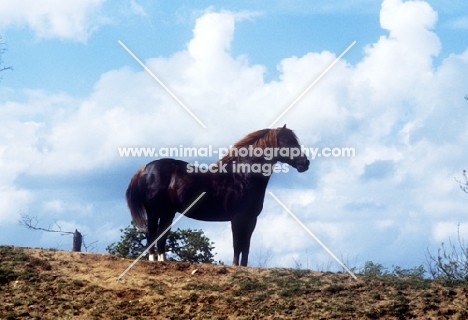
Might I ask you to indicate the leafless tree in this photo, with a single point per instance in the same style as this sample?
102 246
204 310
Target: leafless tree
3 49
464 182
451 261
264 257
32 223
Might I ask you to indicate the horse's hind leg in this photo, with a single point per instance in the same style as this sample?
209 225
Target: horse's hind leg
163 231
151 234
159 220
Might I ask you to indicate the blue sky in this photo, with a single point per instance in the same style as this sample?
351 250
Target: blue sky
75 96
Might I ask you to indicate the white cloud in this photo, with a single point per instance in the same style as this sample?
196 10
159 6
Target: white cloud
21 132
129 108
71 20
14 202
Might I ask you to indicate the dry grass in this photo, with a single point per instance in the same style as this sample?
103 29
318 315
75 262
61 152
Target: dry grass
45 284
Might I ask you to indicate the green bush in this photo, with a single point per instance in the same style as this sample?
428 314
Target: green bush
182 245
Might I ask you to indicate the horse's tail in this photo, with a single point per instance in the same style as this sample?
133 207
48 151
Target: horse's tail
135 200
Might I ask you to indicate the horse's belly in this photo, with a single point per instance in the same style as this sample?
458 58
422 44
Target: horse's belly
208 215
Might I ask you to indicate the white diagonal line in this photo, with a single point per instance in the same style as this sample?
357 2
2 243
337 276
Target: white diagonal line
154 242
312 84
313 236
162 85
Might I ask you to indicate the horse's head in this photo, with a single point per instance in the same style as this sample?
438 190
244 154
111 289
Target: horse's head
289 150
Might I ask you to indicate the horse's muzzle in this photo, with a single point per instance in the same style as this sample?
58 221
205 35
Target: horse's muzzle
302 165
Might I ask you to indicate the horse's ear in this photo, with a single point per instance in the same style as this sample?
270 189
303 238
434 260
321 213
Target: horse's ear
283 129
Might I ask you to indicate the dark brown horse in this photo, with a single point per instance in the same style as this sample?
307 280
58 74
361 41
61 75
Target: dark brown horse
234 188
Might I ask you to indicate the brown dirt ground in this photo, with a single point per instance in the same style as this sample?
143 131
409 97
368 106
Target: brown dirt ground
48 284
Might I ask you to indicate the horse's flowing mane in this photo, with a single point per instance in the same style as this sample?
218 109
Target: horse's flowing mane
265 138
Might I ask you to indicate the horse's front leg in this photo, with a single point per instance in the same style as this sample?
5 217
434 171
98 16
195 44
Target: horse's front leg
235 259
242 228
